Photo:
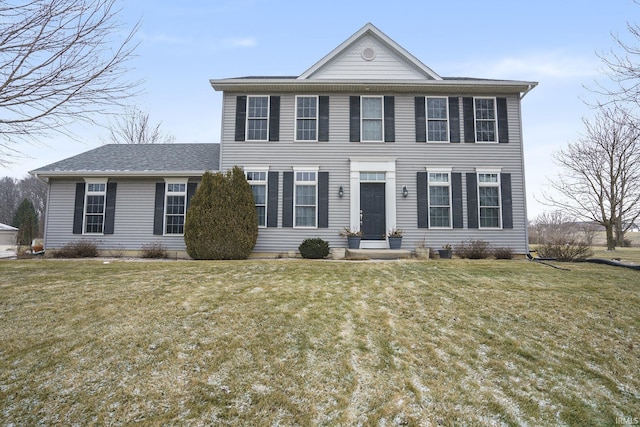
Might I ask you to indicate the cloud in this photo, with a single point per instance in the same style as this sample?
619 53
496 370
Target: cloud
162 38
555 64
239 42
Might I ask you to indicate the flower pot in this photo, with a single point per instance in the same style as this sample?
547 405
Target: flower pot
445 253
395 242
353 242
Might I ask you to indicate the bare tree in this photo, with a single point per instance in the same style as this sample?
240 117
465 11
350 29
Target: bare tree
58 65
135 128
599 179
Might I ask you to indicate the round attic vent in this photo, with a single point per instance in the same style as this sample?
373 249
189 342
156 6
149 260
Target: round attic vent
368 54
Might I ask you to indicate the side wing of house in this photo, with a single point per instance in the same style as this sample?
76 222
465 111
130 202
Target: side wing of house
370 138
124 198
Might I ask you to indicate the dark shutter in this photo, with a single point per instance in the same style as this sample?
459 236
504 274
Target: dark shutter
110 208
456 199
503 125
323 199
158 212
389 119
507 202
423 209
323 118
287 199
454 119
469 120
421 119
241 117
78 208
472 200
354 119
191 190
274 118
272 200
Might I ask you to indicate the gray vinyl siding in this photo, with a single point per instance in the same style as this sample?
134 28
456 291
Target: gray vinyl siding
133 221
411 157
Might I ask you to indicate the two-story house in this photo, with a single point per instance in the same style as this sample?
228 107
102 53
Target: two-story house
368 138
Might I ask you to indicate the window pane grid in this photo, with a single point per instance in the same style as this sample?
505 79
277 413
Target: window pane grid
489 200
305 210
439 200
437 123
485 120
94 207
175 207
306 118
257 118
371 119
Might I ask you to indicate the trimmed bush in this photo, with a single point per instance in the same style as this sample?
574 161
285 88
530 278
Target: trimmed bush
221 220
473 249
77 249
314 248
155 250
503 253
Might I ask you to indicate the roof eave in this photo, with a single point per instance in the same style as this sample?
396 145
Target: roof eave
114 174
470 85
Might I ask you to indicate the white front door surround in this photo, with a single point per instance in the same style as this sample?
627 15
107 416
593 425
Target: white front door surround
388 166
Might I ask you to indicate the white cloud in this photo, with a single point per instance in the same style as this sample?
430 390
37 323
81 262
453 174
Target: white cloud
162 38
240 42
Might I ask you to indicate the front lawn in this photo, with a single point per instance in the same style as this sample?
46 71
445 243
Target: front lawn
294 342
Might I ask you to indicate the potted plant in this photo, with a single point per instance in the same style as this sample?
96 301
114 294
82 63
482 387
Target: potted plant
395 238
353 237
446 252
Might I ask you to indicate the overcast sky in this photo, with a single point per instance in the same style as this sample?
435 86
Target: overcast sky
184 44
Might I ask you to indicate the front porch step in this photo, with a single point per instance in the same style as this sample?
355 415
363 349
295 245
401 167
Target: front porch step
378 254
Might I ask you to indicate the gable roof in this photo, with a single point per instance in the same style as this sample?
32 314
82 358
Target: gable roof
371 61
138 160
370 37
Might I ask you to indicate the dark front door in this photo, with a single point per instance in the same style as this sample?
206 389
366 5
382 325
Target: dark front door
372 208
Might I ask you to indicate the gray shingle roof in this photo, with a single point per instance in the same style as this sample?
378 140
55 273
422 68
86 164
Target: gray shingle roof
139 158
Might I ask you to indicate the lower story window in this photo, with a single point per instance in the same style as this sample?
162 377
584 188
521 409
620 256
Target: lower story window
305 197
439 199
175 207
94 207
258 182
489 199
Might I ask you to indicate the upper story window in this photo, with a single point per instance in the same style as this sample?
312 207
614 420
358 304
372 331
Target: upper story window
485 116
439 199
257 118
258 182
372 118
305 198
306 118
175 207
94 207
489 199
437 120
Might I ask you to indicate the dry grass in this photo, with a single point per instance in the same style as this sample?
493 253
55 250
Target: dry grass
294 342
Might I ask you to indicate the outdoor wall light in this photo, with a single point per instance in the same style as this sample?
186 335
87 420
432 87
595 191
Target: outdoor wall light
405 192
340 192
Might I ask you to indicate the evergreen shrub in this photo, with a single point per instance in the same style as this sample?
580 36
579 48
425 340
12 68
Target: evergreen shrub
314 248
221 221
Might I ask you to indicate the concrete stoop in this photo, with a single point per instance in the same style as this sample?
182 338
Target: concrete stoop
377 254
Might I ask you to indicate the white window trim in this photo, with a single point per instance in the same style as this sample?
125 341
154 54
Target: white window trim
448 172
315 170
317 118
498 184
88 181
495 119
362 119
266 189
167 181
249 118
426 114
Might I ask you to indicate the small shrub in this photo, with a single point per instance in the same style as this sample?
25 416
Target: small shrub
473 249
503 253
570 250
77 249
155 250
117 252
314 248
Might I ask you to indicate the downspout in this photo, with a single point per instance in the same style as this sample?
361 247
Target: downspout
524 180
